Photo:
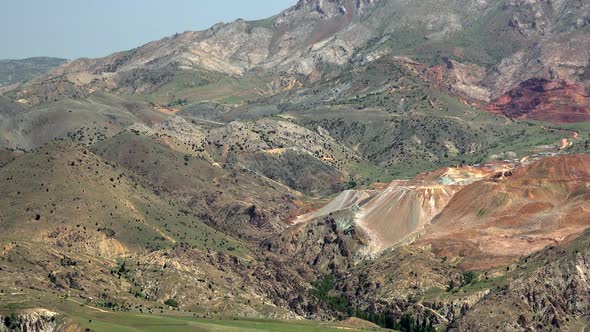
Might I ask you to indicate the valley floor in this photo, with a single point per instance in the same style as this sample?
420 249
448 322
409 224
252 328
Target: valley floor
79 316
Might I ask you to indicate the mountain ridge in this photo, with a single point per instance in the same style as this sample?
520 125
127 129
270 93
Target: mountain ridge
313 38
419 165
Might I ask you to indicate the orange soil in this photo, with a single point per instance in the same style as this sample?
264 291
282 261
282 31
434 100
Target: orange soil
167 111
493 222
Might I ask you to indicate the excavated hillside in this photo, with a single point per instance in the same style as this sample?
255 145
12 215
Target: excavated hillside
487 216
494 221
398 213
466 260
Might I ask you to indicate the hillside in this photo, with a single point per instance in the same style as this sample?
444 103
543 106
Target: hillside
65 195
484 216
547 292
158 242
246 60
21 71
464 255
78 224
236 200
344 164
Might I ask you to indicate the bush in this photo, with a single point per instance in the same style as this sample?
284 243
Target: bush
171 303
107 231
469 278
321 290
11 322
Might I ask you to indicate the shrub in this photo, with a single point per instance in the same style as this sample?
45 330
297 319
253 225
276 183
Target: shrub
11 322
107 231
469 278
171 303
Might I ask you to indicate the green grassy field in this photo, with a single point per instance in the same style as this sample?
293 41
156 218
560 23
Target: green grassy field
207 86
81 316
139 322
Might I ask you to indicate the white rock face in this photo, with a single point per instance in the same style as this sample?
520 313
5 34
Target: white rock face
317 34
30 320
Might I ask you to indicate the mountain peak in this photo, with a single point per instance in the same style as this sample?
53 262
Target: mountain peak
331 8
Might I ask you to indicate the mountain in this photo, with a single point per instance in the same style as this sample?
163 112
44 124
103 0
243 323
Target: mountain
225 251
416 166
522 41
77 223
20 71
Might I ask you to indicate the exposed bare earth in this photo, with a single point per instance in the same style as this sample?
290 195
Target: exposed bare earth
485 216
493 222
540 99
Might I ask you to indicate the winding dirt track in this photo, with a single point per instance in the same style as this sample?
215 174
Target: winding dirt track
89 306
565 142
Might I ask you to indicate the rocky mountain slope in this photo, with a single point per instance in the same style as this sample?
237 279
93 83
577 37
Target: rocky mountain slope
544 100
79 224
503 43
550 297
160 244
420 165
31 320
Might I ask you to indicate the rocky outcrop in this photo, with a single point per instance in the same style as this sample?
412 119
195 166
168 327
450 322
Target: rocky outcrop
328 245
463 79
32 320
553 297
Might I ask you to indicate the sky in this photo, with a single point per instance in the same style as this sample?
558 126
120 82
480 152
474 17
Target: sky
93 28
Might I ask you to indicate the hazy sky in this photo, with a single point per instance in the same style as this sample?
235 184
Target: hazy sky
93 28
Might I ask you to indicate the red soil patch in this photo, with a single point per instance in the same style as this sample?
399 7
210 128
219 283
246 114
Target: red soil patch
541 99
